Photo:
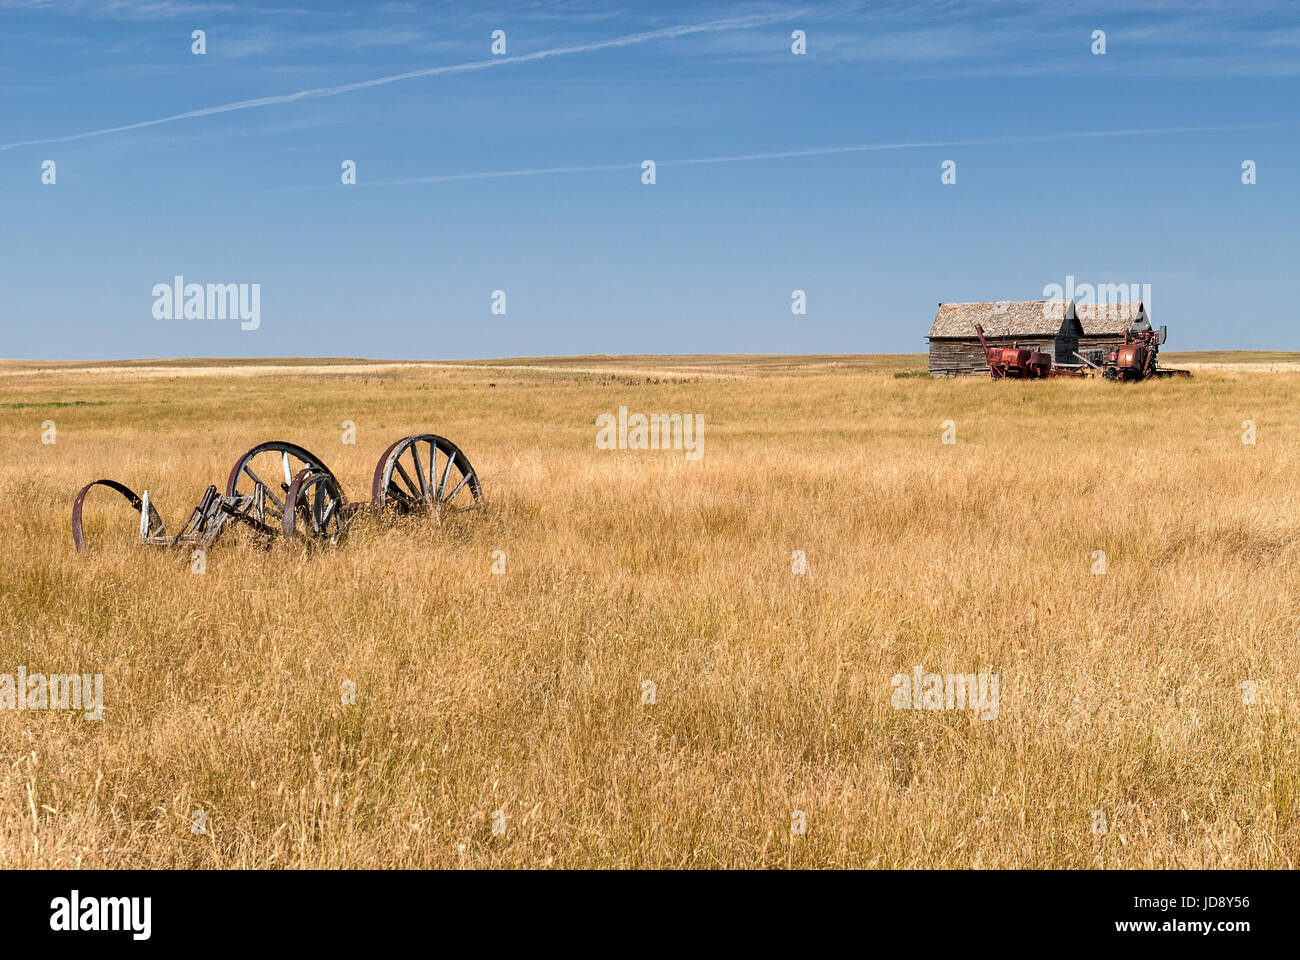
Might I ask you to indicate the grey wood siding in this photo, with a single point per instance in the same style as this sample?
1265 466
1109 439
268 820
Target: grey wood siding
1064 348
954 358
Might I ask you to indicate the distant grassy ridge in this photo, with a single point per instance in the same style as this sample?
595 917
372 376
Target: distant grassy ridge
1230 356
189 362
758 362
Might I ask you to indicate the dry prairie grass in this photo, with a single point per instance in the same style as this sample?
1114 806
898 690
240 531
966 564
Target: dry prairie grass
522 692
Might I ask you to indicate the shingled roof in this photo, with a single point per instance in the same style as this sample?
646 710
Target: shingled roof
1111 319
1002 318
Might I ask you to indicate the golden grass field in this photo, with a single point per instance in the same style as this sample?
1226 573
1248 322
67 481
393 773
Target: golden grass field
521 692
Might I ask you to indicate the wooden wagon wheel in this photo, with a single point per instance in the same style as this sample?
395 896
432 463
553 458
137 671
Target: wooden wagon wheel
154 528
315 508
273 464
425 472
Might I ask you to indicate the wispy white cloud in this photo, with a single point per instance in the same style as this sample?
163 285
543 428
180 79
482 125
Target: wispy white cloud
813 152
142 9
933 39
262 43
733 23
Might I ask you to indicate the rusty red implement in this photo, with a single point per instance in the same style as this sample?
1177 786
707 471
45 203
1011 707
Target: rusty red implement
279 489
1021 363
1138 359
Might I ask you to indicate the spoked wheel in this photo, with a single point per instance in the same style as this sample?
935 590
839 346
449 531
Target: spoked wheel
315 509
274 465
425 472
154 528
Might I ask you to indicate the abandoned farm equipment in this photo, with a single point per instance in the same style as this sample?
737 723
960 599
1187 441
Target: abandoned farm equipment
1021 363
1136 359
424 473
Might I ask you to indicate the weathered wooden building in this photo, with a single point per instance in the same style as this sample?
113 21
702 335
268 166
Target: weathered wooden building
1047 325
1105 324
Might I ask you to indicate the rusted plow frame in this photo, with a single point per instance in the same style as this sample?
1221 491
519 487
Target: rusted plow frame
280 489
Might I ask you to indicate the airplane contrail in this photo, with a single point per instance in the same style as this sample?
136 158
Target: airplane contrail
713 26
810 152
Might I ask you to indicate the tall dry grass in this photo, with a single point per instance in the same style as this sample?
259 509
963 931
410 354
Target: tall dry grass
522 693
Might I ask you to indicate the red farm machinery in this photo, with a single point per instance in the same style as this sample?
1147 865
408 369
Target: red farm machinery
1021 363
1137 358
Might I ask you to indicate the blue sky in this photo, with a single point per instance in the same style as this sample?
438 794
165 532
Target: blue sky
1119 168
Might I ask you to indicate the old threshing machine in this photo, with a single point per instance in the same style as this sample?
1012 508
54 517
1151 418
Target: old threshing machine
1020 363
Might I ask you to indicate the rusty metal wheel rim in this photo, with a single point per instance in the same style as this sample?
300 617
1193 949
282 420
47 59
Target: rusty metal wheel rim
411 477
155 527
315 508
292 460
